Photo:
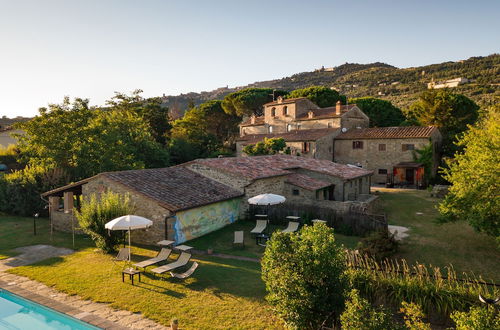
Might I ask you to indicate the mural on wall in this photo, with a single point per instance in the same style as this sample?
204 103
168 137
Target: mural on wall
202 220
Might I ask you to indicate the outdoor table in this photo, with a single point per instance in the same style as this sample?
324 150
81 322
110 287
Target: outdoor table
131 272
315 221
292 217
183 247
261 239
165 243
261 215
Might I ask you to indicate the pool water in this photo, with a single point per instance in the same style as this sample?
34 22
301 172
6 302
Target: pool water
18 313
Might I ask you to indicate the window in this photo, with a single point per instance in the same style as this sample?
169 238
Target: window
382 171
381 147
298 127
325 194
330 125
273 112
270 129
306 147
318 194
285 110
406 147
357 144
288 127
295 192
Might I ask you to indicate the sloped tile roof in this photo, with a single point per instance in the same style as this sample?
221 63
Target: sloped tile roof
296 135
306 182
399 132
175 188
258 167
323 113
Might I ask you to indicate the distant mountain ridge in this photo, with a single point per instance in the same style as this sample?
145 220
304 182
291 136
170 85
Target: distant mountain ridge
400 86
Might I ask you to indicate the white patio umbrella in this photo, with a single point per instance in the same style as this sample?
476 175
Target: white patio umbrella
128 222
266 199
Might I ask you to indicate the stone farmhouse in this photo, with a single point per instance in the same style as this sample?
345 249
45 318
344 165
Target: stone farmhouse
192 199
341 134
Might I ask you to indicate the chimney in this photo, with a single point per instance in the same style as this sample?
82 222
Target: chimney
252 119
338 106
310 114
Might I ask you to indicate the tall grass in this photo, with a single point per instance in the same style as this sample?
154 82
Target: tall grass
438 291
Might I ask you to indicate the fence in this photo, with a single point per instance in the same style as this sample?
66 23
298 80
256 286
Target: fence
353 222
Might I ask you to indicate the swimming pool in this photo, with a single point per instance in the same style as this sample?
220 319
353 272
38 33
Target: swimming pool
19 313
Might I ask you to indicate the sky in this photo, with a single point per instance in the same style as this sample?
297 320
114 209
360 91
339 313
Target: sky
91 48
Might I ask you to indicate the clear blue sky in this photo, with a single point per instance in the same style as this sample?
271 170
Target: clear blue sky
91 48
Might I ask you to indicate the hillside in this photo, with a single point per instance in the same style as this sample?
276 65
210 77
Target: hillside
400 86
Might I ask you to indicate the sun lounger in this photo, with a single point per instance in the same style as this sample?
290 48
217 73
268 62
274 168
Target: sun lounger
187 273
259 227
181 261
238 238
292 226
162 256
122 254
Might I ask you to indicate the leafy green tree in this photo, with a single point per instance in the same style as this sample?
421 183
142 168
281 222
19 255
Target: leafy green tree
322 96
96 211
360 315
249 101
473 174
267 147
451 113
203 131
304 273
150 109
84 141
477 318
425 156
381 112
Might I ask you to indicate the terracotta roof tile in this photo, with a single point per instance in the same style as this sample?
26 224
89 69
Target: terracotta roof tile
258 121
258 167
329 112
388 132
306 182
296 135
175 188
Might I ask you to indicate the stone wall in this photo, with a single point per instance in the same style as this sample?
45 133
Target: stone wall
229 179
62 221
371 158
355 118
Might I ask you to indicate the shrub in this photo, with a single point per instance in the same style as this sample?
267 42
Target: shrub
360 315
413 316
477 318
380 245
96 212
304 276
20 190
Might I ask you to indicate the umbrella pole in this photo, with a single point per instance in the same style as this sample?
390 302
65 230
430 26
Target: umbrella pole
129 246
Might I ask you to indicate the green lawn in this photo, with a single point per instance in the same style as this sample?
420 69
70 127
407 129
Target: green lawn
439 244
221 294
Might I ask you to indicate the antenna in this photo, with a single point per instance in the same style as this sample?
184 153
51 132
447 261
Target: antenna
273 94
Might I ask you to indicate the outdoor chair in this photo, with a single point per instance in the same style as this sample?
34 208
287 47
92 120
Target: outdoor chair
259 227
239 238
187 273
181 261
162 256
292 227
122 254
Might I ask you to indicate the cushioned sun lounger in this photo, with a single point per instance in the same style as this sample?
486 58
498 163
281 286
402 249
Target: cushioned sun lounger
181 261
162 256
292 226
122 254
260 226
187 273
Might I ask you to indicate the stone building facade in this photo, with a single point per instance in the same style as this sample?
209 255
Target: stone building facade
388 150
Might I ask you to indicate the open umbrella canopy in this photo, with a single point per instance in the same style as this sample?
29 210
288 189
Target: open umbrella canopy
128 222
266 199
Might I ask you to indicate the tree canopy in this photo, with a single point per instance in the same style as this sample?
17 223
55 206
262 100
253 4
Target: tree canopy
249 101
451 113
203 131
267 147
473 174
322 96
84 141
381 112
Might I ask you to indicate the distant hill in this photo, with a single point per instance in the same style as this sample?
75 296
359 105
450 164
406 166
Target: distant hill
400 86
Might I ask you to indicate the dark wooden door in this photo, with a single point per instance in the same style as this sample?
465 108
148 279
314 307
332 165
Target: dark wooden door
410 175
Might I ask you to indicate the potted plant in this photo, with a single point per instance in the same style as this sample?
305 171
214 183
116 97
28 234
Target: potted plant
210 250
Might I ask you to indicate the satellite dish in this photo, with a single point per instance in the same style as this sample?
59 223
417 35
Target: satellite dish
344 130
